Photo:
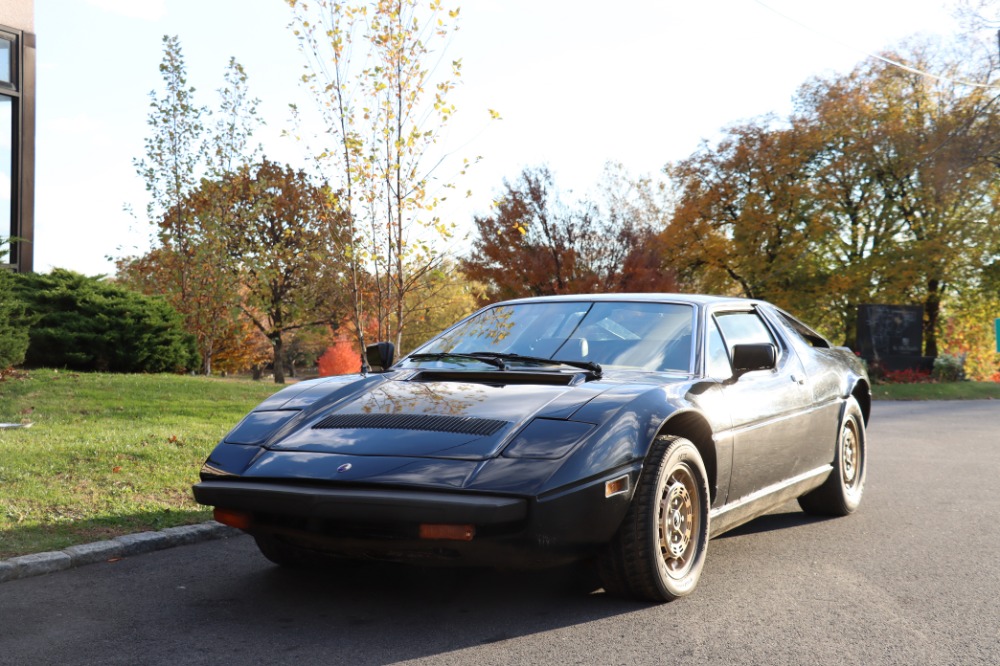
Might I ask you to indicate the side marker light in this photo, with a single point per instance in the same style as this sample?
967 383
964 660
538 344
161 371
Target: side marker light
616 487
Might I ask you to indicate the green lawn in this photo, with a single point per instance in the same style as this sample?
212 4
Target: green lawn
107 454
943 391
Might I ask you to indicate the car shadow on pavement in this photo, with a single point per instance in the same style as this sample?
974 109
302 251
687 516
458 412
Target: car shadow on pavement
379 613
787 517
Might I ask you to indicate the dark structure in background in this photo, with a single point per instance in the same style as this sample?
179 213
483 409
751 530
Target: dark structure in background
892 336
17 132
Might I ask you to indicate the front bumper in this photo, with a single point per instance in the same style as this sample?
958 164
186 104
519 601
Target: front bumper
385 523
361 505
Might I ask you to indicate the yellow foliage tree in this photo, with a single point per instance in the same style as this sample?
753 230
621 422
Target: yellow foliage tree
969 332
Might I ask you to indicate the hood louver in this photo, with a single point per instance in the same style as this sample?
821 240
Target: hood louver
457 424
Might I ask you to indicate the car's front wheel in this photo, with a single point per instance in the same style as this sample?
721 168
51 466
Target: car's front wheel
841 493
659 549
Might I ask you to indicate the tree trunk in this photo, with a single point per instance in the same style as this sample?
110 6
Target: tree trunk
279 364
932 308
851 327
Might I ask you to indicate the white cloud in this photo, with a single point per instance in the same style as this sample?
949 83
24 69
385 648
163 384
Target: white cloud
147 10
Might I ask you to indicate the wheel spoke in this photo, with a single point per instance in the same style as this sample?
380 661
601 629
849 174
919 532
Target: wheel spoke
849 456
678 521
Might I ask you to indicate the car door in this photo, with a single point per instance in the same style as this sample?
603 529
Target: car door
771 410
823 375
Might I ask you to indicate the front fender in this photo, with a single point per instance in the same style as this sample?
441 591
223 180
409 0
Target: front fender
629 418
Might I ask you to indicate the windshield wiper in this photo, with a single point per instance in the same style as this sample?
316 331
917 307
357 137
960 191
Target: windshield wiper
437 356
591 366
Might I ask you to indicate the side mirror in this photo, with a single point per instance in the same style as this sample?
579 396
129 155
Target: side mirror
747 358
380 356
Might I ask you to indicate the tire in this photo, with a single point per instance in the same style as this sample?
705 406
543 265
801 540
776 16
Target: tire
659 550
841 493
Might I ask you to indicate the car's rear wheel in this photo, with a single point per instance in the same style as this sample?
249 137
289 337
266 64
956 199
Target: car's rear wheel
841 493
659 549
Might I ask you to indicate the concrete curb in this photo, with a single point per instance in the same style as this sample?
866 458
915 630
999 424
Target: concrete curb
128 545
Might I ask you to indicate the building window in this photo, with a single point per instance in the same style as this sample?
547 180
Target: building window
17 147
7 228
7 61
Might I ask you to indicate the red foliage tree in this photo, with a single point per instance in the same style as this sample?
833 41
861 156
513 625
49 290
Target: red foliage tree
534 245
341 358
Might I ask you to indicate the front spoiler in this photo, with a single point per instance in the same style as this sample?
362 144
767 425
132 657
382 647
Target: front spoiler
368 505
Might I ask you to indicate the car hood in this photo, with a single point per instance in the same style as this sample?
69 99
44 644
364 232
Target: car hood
456 419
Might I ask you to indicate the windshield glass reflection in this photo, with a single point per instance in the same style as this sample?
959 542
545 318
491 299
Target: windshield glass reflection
646 336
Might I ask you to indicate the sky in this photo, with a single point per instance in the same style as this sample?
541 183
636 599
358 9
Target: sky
578 83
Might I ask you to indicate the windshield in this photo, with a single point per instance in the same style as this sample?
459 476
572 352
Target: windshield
646 336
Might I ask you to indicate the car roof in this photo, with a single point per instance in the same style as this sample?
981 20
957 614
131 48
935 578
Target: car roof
694 299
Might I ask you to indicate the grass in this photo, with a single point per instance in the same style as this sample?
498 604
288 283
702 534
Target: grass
108 454
938 391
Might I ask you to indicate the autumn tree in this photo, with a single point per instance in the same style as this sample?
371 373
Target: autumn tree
879 188
637 208
174 152
340 358
446 295
241 349
907 180
371 68
746 221
210 306
276 227
533 244
860 244
230 145
186 263
304 346
968 332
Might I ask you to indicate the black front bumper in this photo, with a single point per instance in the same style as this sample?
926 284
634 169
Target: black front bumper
361 505
385 523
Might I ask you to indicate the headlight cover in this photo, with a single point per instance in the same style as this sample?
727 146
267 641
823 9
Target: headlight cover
256 427
547 439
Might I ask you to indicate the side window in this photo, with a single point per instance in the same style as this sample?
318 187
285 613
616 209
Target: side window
740 328
717 363
802 332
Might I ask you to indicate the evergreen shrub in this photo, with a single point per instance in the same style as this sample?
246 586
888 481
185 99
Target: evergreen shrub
13 324
88 323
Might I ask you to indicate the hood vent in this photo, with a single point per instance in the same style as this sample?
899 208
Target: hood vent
464 425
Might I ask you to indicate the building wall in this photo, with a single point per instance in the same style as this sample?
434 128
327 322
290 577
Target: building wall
19 14
17 133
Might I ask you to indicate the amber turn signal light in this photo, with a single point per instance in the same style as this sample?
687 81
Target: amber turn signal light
448 532
236 519
616 487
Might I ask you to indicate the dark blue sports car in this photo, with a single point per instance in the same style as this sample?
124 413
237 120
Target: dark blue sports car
625 428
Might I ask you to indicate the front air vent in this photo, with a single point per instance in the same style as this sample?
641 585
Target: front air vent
464 425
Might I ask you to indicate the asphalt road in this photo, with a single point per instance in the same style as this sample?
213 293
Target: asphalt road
912 578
